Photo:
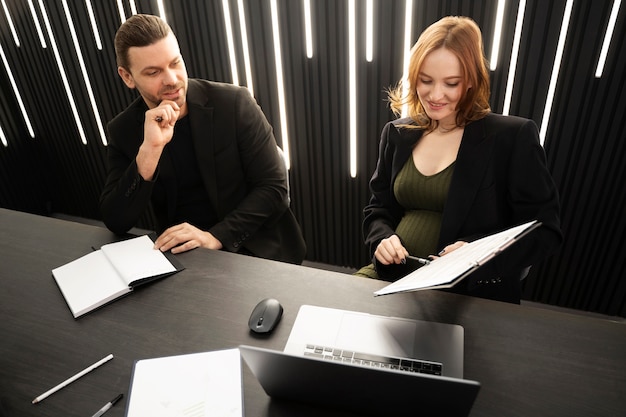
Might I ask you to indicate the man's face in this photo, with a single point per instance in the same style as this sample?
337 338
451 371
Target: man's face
158 72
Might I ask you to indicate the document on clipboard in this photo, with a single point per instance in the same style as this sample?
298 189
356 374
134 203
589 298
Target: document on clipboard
448 270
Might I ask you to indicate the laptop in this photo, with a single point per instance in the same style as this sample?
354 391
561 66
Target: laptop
333 369
379 335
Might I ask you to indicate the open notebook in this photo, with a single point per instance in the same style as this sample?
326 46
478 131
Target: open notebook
105 275
448 270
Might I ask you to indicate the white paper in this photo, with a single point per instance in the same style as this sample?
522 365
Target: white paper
194 385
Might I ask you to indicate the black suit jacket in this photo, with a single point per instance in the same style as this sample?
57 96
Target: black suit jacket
242 171
500 180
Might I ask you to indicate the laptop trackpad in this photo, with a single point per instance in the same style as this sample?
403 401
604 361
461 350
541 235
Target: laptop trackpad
379 335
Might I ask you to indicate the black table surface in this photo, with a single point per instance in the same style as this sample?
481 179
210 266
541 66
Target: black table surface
529 361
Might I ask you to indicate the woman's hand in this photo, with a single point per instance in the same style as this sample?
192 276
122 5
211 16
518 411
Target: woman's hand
391 251
452 247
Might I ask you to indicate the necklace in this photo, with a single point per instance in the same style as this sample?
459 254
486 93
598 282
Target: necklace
442 129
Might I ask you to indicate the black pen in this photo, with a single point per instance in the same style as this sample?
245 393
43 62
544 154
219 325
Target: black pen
107 406
420 260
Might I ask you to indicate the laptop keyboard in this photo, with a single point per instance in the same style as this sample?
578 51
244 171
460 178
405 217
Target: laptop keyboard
376 361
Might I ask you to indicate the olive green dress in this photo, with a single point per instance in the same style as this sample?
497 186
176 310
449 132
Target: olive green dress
423 198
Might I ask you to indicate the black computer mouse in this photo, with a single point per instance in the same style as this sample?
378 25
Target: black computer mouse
265 316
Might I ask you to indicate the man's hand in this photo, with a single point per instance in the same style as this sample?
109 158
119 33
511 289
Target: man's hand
390 251
158 131
184 237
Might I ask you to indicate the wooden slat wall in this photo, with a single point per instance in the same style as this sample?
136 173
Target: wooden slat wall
585 142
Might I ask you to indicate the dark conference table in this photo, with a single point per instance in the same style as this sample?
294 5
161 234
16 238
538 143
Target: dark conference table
530 361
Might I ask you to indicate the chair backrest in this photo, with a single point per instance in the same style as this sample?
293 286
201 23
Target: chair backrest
524 273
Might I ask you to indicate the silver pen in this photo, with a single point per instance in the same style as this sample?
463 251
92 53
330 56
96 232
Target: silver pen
72 379
420 260
107 406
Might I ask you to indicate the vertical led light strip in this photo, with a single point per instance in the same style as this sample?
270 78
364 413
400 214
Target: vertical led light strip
11 26
607 38
83 70
555 71
231 44
408 28
369 30
280 82
3 138
161 7
94 25
120 9
133 9
352 84
61 69
519 24
246 50
18 96
497 34
33 12
308 31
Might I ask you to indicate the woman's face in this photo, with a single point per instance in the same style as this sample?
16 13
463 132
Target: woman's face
440 86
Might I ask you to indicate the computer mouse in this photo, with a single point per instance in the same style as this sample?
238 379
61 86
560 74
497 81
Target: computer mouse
265 316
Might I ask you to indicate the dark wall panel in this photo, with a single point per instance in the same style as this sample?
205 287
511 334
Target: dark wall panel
56 172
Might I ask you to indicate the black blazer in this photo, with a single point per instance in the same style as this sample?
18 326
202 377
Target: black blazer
500 180
242 171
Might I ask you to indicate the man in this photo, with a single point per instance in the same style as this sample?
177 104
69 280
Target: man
201 152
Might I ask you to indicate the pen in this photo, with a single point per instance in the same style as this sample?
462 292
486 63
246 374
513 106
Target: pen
420 260
72 379
107 406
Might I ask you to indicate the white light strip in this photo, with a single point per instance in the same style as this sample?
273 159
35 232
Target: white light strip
245 47
607 38
5 62
408 19
11 26
161 7
133 7
369 30
94 25
280 83
120 9
352 84
555 71
231 44
61 69
33 12
3 138
308 32
519 24
497 34
83 70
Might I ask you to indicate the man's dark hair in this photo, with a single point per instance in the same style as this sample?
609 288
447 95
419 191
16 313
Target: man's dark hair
139 30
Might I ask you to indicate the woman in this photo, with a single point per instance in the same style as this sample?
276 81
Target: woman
453 172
